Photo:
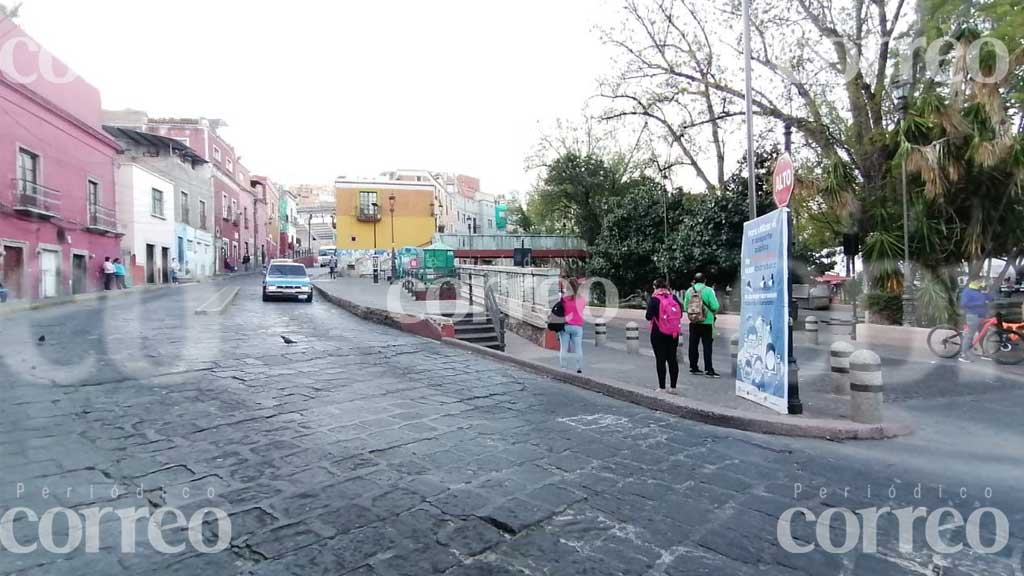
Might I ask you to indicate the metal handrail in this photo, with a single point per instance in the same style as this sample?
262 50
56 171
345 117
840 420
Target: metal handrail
35 196
494 311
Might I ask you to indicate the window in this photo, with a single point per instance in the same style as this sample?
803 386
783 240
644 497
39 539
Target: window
92 193
186 212
226 206
367 201
216 153
234 209
158 203
191 246
202 215
28 171
246 217
229 164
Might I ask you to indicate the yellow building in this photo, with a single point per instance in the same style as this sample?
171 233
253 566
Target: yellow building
365 206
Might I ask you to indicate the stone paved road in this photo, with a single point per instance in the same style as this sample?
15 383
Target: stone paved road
361 450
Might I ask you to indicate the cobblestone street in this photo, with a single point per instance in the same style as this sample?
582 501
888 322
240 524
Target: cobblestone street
363 450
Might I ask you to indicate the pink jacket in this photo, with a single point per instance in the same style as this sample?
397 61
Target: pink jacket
573 310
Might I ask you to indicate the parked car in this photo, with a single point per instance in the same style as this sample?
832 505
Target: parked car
287 279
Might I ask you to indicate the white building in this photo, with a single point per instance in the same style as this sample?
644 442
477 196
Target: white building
147 247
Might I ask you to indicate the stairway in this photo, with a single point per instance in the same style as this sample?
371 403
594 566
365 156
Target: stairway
477 328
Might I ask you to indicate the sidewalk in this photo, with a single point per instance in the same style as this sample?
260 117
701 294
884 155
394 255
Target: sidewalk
390 297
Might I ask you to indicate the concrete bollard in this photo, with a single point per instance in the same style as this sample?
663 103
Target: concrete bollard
866 387
839 362
600 332
734 352
632 338
811 326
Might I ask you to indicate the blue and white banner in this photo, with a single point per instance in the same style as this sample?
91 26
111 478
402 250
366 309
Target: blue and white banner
761 366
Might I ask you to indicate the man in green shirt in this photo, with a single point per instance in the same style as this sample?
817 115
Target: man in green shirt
701 306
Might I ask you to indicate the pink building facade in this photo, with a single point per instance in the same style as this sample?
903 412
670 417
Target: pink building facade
58 214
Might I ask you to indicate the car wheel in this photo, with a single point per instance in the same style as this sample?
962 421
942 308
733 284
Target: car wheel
265 297
309 300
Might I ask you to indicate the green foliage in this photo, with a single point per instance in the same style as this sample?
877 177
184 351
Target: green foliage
573 194
887 306
519 218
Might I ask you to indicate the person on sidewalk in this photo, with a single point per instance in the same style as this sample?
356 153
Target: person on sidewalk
175 269
974 304
572 336
332 265
665 313
119 281
701 306
108 273
245 261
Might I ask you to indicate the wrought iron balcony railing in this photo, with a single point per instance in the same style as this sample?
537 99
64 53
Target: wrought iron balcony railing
102 219
35 198
368 215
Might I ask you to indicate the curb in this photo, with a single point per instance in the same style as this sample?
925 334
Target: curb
219 303
425 326
706 413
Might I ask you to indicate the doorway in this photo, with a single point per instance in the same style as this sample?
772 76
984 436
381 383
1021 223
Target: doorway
165 261
79 274
150 264
13 270
48 263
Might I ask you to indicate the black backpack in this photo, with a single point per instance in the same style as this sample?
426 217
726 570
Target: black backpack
556 319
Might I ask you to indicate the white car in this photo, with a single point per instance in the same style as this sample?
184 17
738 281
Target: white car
287 280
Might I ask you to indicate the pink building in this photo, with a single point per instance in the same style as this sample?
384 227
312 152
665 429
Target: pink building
58 218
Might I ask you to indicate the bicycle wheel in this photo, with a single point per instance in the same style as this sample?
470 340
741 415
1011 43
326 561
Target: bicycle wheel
1012 350
994 342
944 341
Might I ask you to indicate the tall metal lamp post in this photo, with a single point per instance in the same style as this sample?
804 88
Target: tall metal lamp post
376 216
902 92
391 206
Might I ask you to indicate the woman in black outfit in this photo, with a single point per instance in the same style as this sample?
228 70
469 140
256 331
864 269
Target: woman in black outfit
664 345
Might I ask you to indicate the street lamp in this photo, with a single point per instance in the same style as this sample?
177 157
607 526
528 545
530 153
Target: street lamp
901 89
391 205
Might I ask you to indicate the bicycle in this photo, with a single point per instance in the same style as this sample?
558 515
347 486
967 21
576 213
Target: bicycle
998 340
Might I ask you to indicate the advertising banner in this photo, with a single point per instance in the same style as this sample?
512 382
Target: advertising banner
761 366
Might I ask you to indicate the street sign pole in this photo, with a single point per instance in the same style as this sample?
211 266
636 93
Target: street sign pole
751 182
783 182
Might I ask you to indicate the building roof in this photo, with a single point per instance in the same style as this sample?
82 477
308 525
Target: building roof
154 141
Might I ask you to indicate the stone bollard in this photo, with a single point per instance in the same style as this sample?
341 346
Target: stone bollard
600 332
632 338
866 387
811 326
839 362
734 352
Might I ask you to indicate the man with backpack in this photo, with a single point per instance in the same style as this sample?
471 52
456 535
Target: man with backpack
665 312
701 306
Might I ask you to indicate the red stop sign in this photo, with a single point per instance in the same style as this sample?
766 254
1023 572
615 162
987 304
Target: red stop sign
783 180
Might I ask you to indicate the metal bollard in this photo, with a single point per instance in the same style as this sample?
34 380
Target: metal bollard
811 325
600 332
839 362
632 338
866 387
734 351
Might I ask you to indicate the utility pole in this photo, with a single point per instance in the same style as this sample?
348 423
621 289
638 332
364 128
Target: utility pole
751 183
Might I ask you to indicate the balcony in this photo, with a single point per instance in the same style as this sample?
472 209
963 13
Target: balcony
368 215
102 220
35 200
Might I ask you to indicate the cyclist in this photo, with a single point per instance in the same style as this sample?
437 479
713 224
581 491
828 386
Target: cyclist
974 304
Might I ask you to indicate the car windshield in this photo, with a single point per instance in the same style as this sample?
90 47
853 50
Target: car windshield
293 270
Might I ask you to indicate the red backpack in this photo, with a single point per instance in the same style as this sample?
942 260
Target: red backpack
669 315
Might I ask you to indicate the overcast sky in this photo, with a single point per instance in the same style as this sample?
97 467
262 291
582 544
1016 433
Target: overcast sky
314 89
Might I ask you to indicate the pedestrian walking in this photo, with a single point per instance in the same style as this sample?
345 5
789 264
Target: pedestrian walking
175 268
119 272
701 307
665 313
974 305
570 339
332 265
108 273
245 261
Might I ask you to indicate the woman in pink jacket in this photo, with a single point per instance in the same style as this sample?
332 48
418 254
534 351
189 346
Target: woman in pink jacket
572 335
